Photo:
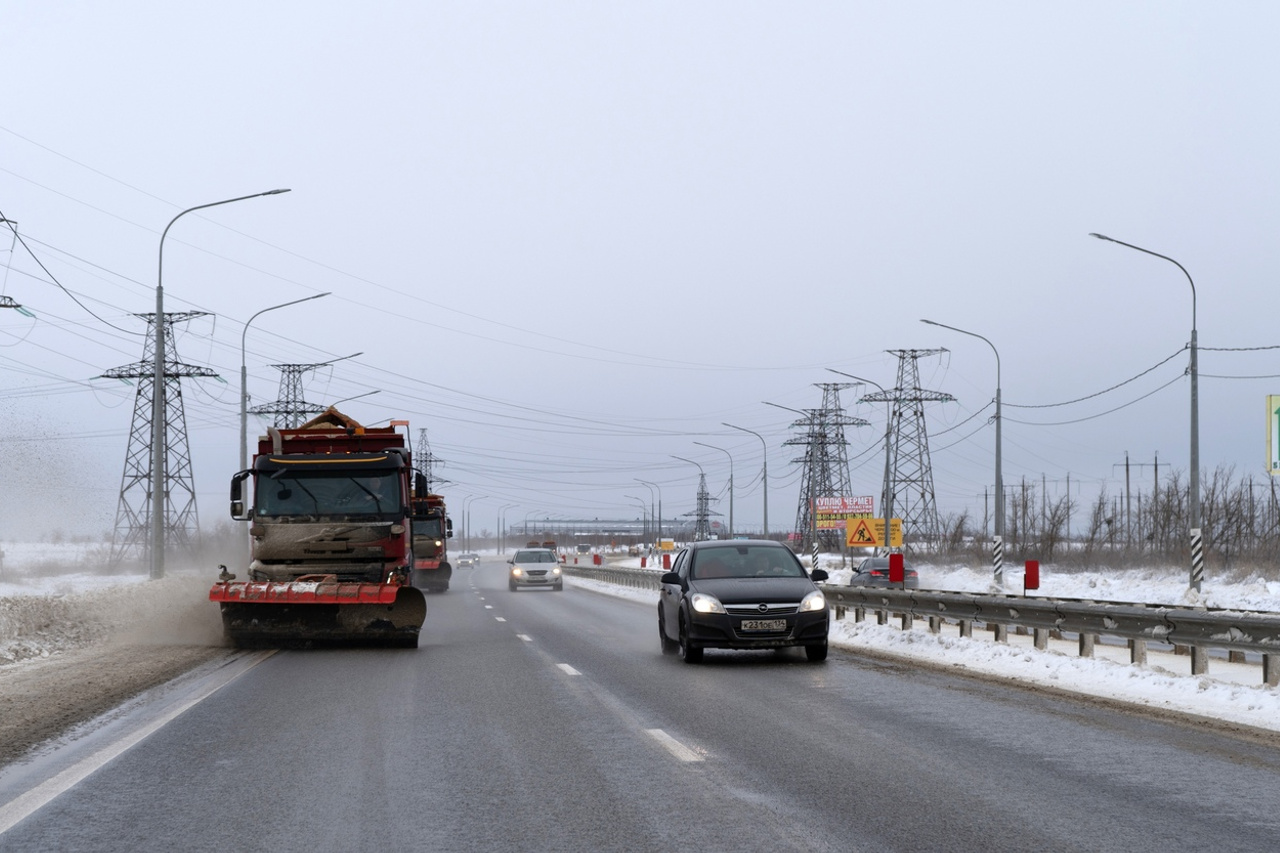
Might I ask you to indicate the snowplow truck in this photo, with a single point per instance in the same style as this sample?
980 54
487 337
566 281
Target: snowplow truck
432 528
330 523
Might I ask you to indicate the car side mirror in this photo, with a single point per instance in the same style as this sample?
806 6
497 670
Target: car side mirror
819 575
670 577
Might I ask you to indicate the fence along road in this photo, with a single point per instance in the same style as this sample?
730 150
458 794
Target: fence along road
1199 629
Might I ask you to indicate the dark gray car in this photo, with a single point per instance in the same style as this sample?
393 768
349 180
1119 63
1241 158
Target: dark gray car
741 594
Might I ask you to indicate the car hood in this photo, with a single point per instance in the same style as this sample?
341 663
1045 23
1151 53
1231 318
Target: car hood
735 590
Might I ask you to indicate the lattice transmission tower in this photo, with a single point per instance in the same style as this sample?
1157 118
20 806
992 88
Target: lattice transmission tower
825 472
911 477
424 461
133 513
702 515
290 409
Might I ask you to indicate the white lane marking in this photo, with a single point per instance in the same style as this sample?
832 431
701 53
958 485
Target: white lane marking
568 669
32 801
525 637
488 607
673 746
500 619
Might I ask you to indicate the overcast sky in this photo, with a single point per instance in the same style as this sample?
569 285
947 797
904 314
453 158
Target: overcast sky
571 239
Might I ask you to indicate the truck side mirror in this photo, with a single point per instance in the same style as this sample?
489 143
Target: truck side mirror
448 524
239 511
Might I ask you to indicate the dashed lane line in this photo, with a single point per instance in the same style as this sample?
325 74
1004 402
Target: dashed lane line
673 746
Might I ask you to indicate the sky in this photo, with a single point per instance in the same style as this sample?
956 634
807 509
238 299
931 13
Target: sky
571 239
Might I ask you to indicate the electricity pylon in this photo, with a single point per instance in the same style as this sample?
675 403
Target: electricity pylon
133 513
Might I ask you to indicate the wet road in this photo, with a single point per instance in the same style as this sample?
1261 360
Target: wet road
550 721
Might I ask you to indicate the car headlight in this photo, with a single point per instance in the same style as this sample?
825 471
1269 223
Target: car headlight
813 601
704 603
515 570
556 570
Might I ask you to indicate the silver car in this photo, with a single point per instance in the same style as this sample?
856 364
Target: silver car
535 567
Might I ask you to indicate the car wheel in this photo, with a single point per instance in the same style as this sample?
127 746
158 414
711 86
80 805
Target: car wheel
669 646
816 653
511 586
688 651
560 587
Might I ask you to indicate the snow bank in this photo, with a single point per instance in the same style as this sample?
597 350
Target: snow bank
57 597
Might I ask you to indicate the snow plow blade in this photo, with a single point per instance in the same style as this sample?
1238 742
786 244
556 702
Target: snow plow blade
310 612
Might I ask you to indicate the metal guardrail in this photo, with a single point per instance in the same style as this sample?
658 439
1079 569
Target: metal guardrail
636 578
1197 629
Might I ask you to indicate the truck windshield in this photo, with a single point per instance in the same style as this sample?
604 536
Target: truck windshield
432 527
315 493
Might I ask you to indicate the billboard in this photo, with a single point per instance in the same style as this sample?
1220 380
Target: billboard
830 513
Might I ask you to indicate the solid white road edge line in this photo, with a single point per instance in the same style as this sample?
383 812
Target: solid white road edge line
673 746
17 810
568 669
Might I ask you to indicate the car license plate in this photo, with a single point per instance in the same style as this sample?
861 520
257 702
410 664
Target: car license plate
764 625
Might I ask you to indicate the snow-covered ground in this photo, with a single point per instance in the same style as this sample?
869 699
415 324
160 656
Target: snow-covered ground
1232 692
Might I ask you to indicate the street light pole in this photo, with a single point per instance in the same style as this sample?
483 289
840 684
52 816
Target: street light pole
765 476
158 449
702 479
244 391
644 522
659 488
997 546
730 455
1197 536
502 526
466 517
887 499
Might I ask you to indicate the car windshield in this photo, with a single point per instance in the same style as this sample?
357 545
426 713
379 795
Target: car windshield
535 557
745 561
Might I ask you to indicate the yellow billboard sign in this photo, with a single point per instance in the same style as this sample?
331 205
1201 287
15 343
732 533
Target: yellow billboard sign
869 532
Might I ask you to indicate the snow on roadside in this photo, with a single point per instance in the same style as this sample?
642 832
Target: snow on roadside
1229 692
54 597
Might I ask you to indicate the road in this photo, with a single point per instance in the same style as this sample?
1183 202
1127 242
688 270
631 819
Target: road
550 721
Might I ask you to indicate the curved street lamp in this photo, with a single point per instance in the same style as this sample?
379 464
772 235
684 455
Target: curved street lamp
730 455
997 546
1197 541
466 517
158 449
643 518
764 478
651 487
244 392
887 499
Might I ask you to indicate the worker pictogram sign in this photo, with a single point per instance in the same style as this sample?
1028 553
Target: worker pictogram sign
860 533
869 532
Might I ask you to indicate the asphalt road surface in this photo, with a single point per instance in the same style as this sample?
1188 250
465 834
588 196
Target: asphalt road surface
550 721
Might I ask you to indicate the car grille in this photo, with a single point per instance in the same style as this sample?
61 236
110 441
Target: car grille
762 609
536 573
